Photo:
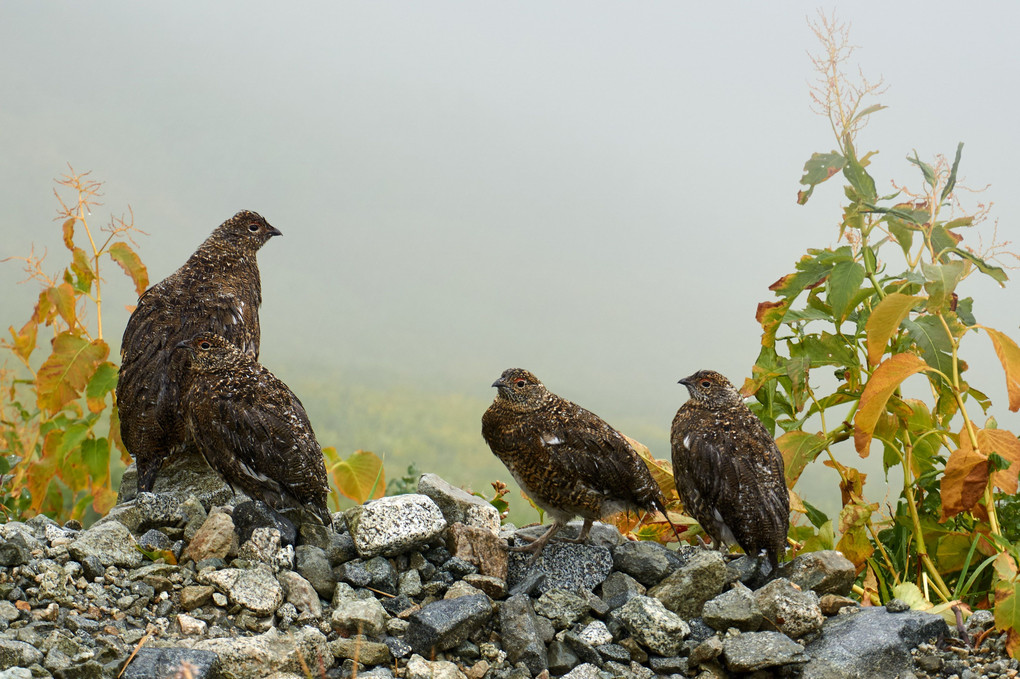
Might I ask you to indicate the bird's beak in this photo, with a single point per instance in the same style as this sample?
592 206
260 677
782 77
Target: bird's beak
685 381
273 231
499 383
181 345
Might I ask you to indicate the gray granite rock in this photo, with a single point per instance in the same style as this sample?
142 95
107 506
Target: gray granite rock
686 590
181 476
259 656
561 606
300 592
359 616
519 634
584 671
870 643
788 609
825 572
366 652
619 588
145 511
653 625
735 608
561 658
564 565
600 535
18 654
253 588
214 539
394 524
459 506
110 542
444 624
313 565
158 663
265 546
420 668
646 562
754 651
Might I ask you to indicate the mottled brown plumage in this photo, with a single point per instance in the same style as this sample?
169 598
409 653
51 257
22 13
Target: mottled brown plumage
217 290
251 428
568 460
728 470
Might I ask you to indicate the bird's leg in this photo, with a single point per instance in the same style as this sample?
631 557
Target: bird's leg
585 529
536 545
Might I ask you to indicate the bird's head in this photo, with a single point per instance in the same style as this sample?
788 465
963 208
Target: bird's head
519 387
708 386
206 351
247 230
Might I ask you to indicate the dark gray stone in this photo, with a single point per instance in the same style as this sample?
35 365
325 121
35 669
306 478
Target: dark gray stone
181 476
444 624
601 534
653 625
159 663
561 658
735 608
155 540
870 643
619 588
614 652
646 562
398 647
566 566
584 651
754 651
519 634
92 568
384 577
18 654
310 561
671 665
458 567
825 572
147 510
353 572
86 670
14 552
563 608
341 546
257 514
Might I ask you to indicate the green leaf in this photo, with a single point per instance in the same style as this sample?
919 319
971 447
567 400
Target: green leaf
942 280
844 282
819 168
965 311
932 343
994 271
101 384
929 174
96 454
825 349
73 436
903 234
943 240
816 516
951 183
856 174
867 112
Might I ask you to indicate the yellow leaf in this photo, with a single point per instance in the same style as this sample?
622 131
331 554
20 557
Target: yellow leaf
884 381
1009 355
68 229
67 371
63 299
359 477
132 264
884 321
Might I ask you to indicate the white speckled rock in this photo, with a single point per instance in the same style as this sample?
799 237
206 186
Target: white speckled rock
394 524
459 506
254 588
652 625
420 668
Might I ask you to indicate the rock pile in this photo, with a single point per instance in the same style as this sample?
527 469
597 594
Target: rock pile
420 586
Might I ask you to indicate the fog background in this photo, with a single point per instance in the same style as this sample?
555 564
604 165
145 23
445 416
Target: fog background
599 192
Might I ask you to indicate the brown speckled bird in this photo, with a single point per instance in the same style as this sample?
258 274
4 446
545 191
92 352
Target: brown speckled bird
728 470
217 290
251 428
567 459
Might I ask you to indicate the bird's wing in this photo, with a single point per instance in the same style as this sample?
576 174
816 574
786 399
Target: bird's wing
598 455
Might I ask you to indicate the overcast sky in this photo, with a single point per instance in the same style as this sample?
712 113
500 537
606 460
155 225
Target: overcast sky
600 192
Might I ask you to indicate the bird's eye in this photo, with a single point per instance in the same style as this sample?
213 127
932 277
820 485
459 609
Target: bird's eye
705 384
520 383
205 345
253 227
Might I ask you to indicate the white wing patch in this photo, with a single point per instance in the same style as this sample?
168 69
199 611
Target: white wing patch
551 439
687 441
